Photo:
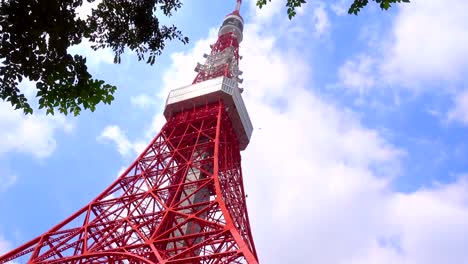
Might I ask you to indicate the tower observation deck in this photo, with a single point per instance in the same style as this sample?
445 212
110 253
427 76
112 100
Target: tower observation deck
182 200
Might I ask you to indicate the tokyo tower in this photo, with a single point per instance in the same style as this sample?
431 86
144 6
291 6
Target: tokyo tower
182 200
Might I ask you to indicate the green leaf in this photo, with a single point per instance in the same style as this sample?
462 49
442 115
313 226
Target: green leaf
35 44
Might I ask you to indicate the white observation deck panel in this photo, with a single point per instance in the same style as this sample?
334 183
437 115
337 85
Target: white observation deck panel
210 91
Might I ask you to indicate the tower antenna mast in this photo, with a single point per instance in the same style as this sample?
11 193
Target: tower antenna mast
238 5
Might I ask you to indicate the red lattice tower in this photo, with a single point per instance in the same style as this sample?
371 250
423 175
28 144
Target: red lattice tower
182 200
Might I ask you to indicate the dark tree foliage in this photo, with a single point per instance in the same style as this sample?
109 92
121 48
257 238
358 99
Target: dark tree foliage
384 4
355 7
35 36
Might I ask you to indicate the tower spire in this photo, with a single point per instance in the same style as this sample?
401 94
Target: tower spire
238 5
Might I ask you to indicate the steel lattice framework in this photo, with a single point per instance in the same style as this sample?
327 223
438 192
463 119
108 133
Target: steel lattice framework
182 200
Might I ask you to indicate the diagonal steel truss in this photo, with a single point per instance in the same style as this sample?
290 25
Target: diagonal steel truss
181 201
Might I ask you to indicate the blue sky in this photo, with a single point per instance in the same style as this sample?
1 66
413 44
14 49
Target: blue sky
359 148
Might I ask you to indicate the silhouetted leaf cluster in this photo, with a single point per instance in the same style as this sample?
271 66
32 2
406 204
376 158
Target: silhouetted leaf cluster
355 7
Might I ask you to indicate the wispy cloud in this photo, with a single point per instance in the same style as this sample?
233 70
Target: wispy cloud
340 7
142 101
321 21
32 134
117 136
358 74
429 43
459 112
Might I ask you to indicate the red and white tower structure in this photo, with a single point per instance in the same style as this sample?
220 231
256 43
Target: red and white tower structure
182 200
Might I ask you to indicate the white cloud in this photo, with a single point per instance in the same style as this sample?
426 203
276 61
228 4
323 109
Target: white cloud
430 42
426 50
318 181
322 161
313 163
124 146
427 226
32 134
27 134
460 110
340 7
322 23
142 101
358 74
